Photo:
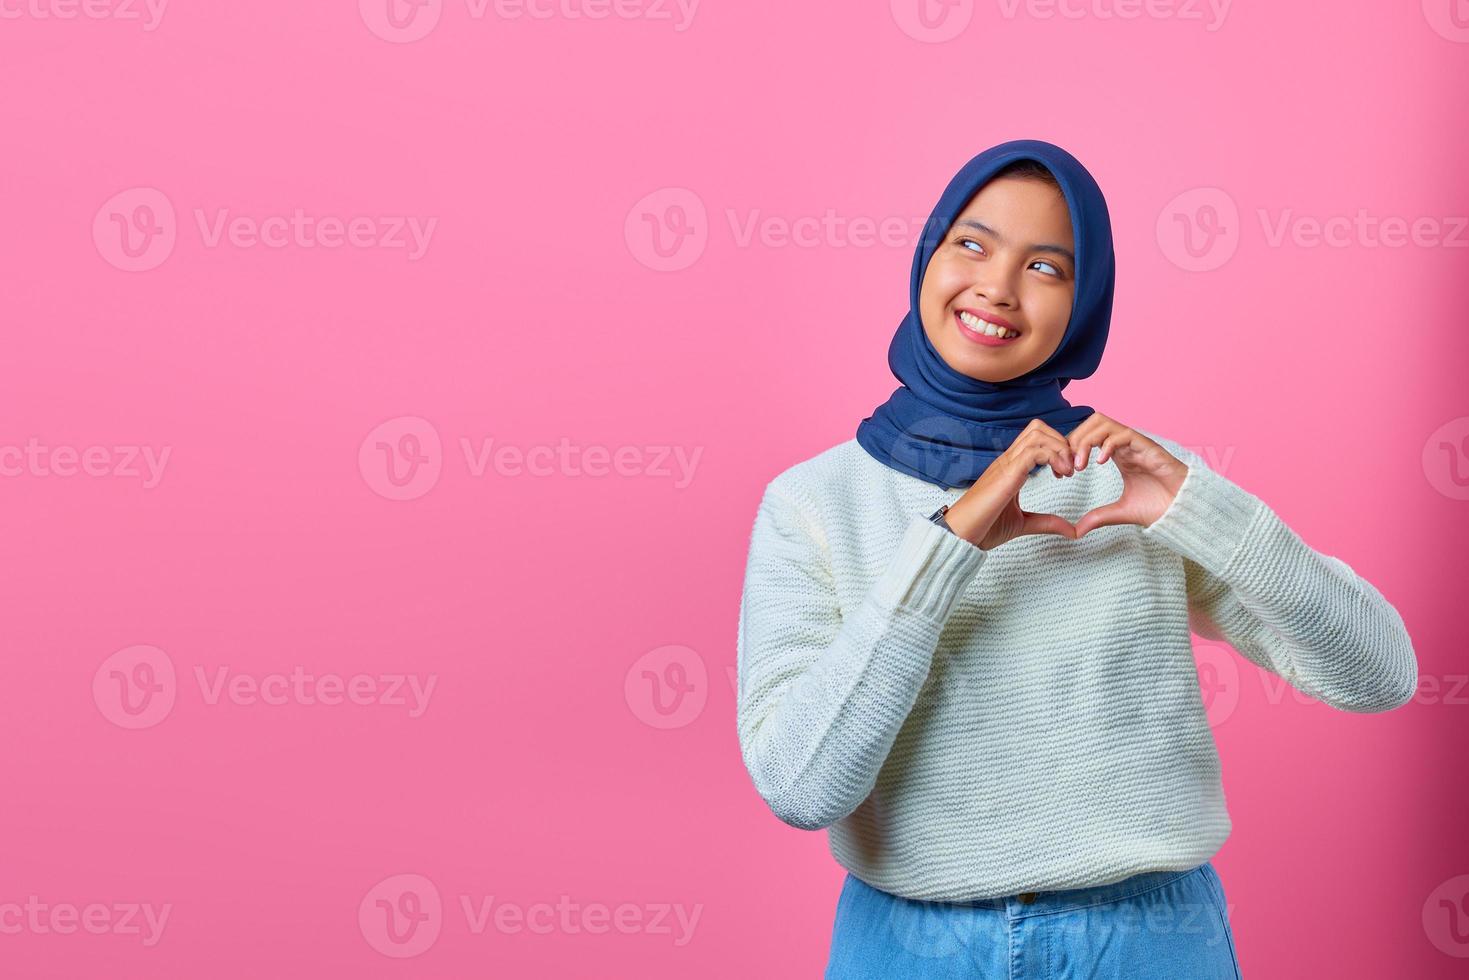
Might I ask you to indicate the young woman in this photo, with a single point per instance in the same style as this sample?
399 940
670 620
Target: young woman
994 709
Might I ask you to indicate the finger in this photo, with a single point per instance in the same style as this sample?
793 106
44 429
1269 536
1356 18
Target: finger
1046 524
1058 455
1034 448
1065 444
1118 439
1153 457
1042 426
1107 515
1087 435
1084 428
1092 421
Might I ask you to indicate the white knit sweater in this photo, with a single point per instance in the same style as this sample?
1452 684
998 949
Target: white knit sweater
971 724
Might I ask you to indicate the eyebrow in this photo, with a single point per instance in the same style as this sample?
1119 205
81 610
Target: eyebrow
981 226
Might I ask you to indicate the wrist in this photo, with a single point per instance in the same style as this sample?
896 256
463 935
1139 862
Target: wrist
1174 480
965 523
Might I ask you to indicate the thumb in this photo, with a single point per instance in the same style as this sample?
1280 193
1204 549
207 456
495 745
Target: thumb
1105 516
1047 524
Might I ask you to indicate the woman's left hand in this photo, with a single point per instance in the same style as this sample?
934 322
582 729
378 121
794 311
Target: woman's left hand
1151 475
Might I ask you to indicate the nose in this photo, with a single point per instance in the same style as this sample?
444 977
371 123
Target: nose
996 285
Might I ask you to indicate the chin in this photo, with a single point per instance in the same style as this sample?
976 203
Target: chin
984 370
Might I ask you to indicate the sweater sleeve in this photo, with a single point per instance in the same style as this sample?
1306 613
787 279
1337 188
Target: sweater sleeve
1298 613
822 695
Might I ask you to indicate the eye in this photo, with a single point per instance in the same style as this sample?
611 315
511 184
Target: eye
1055 269
969 241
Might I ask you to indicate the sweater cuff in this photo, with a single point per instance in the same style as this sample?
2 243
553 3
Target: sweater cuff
1207 520
929 571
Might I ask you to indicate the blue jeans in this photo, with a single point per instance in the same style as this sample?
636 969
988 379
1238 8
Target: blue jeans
1160 924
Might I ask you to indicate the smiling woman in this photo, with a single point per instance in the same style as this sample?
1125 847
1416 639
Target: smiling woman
1020 240
997 294
1008 792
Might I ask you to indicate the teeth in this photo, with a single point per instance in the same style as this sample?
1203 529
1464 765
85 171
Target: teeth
985 327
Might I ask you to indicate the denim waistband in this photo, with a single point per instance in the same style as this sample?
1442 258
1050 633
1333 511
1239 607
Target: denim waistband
1072 899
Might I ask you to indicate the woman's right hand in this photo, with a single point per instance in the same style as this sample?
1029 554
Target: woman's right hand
989 512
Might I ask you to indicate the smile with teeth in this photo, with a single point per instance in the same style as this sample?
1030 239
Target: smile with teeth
985 327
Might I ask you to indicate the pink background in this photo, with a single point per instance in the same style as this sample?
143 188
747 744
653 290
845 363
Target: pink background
1326 379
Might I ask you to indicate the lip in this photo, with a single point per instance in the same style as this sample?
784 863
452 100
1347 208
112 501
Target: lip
985 339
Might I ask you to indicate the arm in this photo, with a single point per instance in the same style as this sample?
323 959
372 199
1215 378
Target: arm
1298 613
822 696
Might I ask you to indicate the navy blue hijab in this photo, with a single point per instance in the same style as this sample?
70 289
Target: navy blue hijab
946 427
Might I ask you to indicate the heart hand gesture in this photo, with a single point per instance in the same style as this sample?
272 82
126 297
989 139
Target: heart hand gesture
989 512
1151 475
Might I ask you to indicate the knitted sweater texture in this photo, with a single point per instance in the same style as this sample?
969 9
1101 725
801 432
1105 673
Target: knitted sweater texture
973 724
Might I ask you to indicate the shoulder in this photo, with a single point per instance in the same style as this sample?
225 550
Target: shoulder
807 494
830 472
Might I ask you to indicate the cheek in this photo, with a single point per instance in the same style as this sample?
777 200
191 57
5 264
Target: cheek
1051 313
940 284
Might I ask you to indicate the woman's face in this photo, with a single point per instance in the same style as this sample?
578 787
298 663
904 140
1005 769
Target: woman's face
1008 259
